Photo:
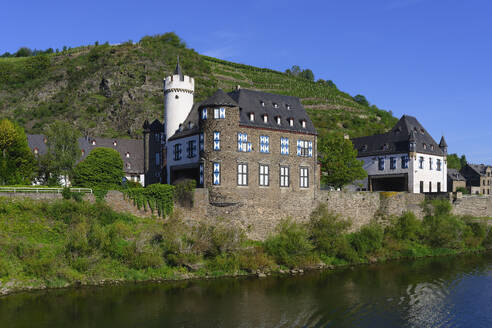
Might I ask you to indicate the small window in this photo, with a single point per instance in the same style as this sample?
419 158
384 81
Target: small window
190 125
304 177
127 155
422 131
216 172
93 142
191 148
303 123
157 159
385 147
404 162
424 145
304 148
242 174
128 166
36 151
219 113
114 143
262 103
264 175
177 152
264 144
176 97
284 176
284 146
265 118
291 121
46 140
252 117
204 114
287 106
431 164
83 152
430 186
432 147
216 140
392 163
242 143
438 165
421 162
364 148
275 105
381 163
279 120
438 187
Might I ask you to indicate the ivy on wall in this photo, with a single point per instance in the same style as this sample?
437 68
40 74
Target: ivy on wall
156 197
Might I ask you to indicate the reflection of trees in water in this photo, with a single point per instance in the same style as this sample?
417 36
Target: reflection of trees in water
396 293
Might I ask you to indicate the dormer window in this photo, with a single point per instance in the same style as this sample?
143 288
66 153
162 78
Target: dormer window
275 105
422 131
190 125
93 142
128 166
45 140
287 106
364 148
265 118
252 117
127 155
180 127
432 147
385 147
114 143
36 151
279 120
262 103
291 122
303 123
425 146
83 152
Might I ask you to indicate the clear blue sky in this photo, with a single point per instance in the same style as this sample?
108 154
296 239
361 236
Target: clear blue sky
427 58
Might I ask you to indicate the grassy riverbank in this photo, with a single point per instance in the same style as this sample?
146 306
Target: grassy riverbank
66 243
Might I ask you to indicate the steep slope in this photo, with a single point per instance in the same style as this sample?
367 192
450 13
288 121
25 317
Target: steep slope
109 90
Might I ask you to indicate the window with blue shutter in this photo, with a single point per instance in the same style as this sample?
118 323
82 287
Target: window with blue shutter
304 148
392 163
201 174
284 146
216 140
200 140
219 113
204 114
404 162
381 163
216 174
264 144
242 143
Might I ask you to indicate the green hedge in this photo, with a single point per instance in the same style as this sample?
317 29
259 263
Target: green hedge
156 197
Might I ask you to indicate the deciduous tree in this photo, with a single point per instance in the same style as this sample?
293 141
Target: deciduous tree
103 167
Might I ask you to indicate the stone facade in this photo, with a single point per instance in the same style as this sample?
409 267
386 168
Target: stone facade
478 178
228 191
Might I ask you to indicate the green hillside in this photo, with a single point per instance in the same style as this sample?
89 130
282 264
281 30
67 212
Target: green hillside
109 90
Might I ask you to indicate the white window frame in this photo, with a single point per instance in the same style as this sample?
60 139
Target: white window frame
284 176
242 174
304 177
264 175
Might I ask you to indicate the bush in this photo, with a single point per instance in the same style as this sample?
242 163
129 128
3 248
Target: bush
103 167
441 228
326 230
368 240
291 246
184 192
214 240
77 196
66 193
463 190
406 227
100 193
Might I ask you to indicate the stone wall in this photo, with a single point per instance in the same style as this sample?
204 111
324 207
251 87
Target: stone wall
480 206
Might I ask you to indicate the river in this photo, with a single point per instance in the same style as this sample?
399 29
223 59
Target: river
438 292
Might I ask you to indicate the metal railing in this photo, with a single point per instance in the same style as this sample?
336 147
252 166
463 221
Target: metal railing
43 190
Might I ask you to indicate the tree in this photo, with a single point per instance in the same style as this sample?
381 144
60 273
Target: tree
339 164
17 163
63 150
455 162
103 167
361 100
307 74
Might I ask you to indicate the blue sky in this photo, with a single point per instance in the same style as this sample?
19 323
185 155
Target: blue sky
427 58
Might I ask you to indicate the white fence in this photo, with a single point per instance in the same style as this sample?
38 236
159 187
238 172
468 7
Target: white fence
43 190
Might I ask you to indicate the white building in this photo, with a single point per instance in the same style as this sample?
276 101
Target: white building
404 159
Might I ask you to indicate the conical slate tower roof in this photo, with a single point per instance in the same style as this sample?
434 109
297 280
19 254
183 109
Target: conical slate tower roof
177 71
442 143
219 98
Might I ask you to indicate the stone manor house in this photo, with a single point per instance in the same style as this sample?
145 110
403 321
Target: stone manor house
242 145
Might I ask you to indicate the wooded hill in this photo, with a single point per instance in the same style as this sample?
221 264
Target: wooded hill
109 90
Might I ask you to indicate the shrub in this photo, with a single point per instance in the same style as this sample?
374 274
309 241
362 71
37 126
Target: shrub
477 231
407 227
326 230
77 196
184 192
100 193
291 246
103 167
66 193
213 240
368 239
444 230
254 258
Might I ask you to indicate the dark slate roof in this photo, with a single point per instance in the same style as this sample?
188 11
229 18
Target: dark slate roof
250 101
479 168
455 175
155 126
219 98
177 71
132 146
443 143
397 140
187 129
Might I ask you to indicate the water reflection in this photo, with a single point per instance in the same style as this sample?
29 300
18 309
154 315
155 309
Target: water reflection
446 292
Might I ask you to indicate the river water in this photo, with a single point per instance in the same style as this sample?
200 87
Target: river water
439 292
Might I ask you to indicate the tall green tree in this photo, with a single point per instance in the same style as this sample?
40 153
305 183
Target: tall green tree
455 162
17 164
62 150
103 167
339 164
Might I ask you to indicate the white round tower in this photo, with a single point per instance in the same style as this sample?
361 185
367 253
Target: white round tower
178 100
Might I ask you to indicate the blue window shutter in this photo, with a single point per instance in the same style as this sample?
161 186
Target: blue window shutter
299 147
204 114
216 174
216 140
222 112
310 149
201 174
200 140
